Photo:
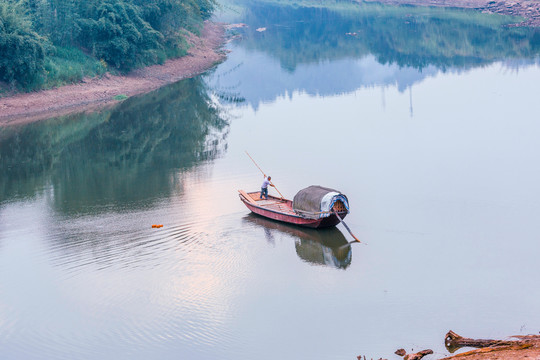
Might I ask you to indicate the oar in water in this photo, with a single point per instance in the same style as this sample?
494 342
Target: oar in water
346 226
271 183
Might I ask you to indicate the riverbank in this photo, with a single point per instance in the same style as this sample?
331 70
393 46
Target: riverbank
528 9
516 347
96 93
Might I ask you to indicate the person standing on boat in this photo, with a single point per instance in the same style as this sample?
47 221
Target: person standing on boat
264 187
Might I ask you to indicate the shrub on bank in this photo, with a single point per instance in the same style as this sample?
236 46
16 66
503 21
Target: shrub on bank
69 65
46 43
22 51
116 32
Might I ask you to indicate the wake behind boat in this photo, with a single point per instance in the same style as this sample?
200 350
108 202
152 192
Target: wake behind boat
314 206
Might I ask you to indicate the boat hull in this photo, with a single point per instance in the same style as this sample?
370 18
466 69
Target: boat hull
282 216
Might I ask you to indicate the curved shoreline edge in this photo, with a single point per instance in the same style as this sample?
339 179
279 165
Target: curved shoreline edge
96 93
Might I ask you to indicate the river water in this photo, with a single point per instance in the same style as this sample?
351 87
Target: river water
426 118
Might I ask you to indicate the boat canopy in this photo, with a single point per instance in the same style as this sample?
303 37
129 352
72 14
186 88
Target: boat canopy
315 202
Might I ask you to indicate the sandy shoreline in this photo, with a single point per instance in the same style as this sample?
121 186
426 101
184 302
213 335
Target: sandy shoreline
95 93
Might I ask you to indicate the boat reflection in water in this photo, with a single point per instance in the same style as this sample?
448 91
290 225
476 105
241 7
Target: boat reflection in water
327 247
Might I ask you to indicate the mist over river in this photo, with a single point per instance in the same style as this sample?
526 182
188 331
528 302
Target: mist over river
427 119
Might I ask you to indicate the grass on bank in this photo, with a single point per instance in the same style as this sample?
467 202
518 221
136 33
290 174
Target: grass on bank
120 97
69 65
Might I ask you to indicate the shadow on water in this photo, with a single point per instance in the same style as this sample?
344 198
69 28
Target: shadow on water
327 247
121 157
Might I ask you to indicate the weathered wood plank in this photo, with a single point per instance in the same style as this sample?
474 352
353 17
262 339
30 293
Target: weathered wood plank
247 197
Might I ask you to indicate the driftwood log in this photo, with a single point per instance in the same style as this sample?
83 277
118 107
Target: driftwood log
524 347
401 352
453 342
418 355
493 349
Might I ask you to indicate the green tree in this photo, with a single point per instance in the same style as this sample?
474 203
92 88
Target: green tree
56 19
45 42
114 31
21 49
171 17
168 16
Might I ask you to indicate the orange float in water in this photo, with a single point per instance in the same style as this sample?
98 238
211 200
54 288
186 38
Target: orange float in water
157 226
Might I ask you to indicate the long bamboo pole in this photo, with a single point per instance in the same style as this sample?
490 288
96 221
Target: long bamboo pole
271 183
346 226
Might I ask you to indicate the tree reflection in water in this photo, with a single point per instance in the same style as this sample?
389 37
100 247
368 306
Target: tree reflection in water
340 47
409 36
116 157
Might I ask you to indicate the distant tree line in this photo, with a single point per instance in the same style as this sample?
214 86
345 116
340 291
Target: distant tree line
44 39
406 36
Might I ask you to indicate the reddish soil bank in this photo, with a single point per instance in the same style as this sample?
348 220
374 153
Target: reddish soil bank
529 9
528 349
96 93
513 348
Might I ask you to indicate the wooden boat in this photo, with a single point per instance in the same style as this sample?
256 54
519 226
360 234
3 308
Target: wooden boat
279 209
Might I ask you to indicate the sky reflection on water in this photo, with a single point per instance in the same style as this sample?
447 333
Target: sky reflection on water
438 160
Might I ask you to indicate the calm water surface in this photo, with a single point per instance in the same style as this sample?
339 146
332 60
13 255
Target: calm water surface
426 119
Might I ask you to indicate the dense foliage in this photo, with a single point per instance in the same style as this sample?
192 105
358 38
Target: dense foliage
116 32
21 49
39 37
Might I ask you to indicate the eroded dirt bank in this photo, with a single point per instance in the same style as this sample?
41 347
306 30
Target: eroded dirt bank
96 93
514 347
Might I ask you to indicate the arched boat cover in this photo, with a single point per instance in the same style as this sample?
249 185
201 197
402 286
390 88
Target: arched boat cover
315 202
